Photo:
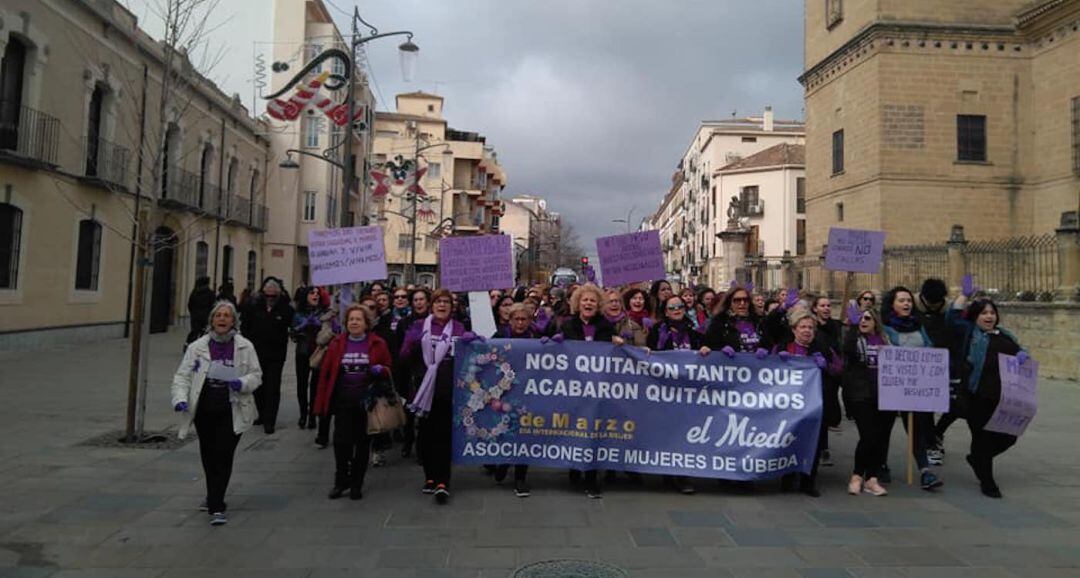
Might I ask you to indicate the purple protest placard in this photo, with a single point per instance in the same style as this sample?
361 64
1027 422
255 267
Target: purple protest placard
347 255
1018 404
854 250
476 263
630 258
913 379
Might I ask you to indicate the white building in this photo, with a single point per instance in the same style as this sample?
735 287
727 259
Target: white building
770 188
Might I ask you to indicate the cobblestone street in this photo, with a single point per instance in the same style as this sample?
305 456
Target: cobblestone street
71 510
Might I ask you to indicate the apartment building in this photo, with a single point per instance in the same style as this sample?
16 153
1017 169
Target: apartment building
88 140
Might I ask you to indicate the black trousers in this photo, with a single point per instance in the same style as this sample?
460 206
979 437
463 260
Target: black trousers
217 447
268 396
985 445
874 426
307 383
520 471
352 446
434 441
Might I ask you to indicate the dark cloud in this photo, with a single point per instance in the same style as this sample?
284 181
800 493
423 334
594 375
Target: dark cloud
589 103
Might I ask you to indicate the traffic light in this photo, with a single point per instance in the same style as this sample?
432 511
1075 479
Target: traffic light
584 261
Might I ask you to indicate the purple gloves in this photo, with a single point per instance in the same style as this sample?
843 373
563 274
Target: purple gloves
734 285
379 370
557 338
784 355
469 337
235 384
750 287
1022 357
181 407
854 314
590 274
647 322
728 351
761 353
967 286
819 360
627 335
791 298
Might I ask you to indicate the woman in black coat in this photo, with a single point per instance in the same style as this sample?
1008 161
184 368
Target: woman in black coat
860 388
736 326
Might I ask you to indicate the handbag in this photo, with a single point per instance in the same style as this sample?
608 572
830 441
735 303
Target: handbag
387 414
322 342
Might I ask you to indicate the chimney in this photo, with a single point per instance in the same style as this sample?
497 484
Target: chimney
768 120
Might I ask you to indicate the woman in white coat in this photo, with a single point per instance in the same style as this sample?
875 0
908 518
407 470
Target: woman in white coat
213 389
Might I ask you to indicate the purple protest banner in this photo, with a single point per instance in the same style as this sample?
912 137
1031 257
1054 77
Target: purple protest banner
630 258
913 379
854 250
347 255
1018 404
476 263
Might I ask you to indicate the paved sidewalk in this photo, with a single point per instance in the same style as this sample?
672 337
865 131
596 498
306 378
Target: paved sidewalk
69 510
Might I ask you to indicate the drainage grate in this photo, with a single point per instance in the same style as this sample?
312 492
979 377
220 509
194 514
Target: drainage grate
569 569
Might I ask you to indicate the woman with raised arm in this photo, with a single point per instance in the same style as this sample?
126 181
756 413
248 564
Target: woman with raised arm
859 382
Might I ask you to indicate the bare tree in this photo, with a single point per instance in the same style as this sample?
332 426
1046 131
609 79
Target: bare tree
568 248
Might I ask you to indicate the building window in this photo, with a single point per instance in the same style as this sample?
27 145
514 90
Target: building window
311 132
205 164
10 241
838 152
93 130
309 206
88 255
1076 134
404 241
970 137
840 212
331 209
800 237
337 66
800 194
430 243
252 261
834 12
202 259
313 51
226 264
434 171
750 200
11 92
427 280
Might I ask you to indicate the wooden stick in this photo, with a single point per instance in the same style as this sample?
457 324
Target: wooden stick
910 447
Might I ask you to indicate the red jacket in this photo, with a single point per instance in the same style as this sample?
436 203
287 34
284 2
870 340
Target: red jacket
378 354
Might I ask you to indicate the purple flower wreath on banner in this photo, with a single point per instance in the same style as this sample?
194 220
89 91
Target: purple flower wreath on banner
486 415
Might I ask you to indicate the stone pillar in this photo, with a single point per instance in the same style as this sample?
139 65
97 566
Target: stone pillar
1068 239
734 242
787 270
957 259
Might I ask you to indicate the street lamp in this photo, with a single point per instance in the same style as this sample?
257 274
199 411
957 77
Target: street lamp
291 164
629 215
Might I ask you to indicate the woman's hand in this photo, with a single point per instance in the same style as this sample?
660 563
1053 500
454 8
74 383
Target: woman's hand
180 407
378 370
617 340
761 353
784 355
235 384
704 351
1022 357
820 360
728 351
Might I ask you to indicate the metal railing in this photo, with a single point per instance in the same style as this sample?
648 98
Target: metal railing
179 188
106 161
909 266
1021 268
29 133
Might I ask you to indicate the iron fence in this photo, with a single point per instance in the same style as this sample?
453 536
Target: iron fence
1022 268
107 161
29 133
908 266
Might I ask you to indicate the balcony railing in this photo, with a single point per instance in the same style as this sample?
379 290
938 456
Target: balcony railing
179 188
107 162
28 133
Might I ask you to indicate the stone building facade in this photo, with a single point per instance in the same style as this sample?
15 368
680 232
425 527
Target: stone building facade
923 114
85 134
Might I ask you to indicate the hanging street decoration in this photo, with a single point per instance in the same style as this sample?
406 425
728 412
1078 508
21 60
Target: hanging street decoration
309 93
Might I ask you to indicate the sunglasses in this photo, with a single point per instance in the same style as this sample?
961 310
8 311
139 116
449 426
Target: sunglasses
866 298
401 296
676 307
740 300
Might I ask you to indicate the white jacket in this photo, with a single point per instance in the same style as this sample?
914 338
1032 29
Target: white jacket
189 378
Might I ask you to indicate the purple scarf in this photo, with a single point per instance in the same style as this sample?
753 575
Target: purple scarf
433 353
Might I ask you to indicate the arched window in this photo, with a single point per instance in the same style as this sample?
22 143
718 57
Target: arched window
88 256
10 245
253 189
11 92
170 150
427 280
205 164
226 263
94 134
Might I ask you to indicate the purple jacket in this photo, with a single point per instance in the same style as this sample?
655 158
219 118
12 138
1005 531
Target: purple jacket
411 343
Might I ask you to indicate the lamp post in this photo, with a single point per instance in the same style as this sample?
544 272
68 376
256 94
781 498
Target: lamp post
628 218
416 162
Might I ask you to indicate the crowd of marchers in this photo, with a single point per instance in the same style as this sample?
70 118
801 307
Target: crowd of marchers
397 342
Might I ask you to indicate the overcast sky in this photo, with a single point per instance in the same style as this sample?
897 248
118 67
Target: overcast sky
588 103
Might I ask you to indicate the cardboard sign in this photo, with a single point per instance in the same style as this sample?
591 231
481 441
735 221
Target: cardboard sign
913 379
854 250
483 318
1018 404
346 255
476 263
630 258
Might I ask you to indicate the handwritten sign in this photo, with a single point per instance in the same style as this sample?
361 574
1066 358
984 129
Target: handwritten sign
854 250
476 263
481 315
346 255
913 379
1018 405
630 258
